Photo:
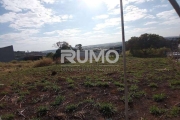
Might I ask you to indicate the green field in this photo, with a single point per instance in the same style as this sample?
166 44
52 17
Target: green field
90 91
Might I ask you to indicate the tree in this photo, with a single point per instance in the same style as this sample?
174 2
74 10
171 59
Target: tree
146 44
61 46
79 46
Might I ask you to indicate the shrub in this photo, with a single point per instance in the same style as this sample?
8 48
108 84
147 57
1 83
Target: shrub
175 111
156 110
9 116
107 109
43 62
42 110
58 100
71 108
159 97
153 85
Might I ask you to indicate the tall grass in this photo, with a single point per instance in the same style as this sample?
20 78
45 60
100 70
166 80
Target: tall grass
43 62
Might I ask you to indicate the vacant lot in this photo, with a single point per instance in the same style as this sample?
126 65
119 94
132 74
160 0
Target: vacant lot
90 91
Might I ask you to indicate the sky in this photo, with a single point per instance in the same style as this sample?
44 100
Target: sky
35 25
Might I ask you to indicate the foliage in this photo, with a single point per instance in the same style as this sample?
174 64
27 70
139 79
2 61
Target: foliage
43 62
107 109
156 110
9 116
71 108
159 97
148 45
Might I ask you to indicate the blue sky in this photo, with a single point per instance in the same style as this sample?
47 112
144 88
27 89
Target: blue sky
35 25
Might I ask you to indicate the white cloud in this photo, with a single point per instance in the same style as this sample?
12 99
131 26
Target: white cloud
133 13
108 23
101 17
150 23
65 32
48 1
169 17
29 14
8 17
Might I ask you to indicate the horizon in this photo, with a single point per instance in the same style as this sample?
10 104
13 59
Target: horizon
36 26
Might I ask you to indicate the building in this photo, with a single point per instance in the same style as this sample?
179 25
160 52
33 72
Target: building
6 54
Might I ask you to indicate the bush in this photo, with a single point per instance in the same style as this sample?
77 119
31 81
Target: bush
156 110
159 97
43 62
107 109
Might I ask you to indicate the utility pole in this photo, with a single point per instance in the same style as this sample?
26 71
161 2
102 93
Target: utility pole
175 6
124 60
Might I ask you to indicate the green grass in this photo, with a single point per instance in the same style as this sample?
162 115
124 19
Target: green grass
71 108
42 111
106 109
156 110
58 100
159 97
8 116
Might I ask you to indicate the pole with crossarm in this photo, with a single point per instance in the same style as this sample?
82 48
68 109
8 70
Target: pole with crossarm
124 60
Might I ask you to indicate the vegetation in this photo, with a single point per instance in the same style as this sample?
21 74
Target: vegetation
90 91
148 45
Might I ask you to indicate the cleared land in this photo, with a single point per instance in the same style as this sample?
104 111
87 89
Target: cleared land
90 91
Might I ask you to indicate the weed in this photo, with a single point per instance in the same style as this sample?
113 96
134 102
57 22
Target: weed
153 85
107 109
175 111
42 111
156 110
71 108
159 97
69 81
88 84
133 88
138 94
119 84
8 116
58 100
43 62
102 84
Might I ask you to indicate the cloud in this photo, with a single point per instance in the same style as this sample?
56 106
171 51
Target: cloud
101 17
150 23
29 14
48 1
133 13
65 32
108 23
169 17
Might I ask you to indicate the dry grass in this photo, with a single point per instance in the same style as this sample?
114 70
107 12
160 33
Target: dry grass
43 62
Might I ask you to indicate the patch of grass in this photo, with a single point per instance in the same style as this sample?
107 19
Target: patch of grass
138 94
133 88
2 106
69 81
107 109
71 86
174 112
8 116
130 99
89 84
58 100
153 85
156 110
42 111
119 84
43 62
120 89
71 108
159 97
102 84
175 84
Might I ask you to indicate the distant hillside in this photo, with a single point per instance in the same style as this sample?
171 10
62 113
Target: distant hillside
103 46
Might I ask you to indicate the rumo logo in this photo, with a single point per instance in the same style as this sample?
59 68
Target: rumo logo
90 55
